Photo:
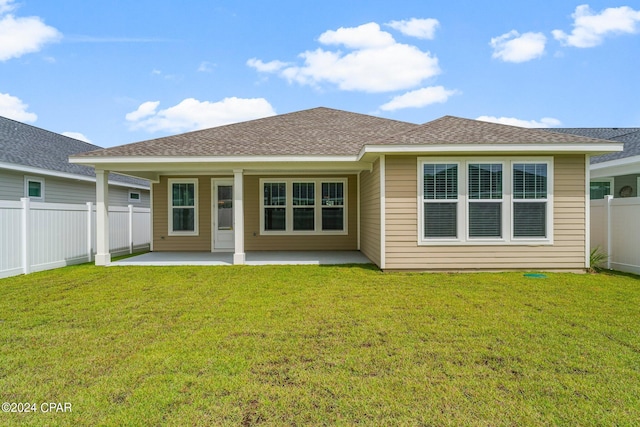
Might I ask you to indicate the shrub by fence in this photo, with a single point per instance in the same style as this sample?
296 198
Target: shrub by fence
41 236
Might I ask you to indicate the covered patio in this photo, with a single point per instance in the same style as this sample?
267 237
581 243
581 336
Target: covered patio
252 258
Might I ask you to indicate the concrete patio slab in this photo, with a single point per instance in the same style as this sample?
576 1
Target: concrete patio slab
252 258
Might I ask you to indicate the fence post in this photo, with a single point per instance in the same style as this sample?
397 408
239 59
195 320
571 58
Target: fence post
130 229
89 231
607 229
26 238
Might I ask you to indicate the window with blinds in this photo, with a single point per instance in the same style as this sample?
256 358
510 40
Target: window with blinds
485 200
484 195
440 200
530 200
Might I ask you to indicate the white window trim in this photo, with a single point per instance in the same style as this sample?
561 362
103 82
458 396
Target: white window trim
507 202
28 179
460 204
548 201
132 200
289 231
170 183
505 221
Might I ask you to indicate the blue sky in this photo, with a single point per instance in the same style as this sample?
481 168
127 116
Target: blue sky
115 72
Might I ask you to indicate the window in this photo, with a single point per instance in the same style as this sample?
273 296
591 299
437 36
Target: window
275 200
485 201
601 188
530 200
183 207
332 206
440 183
34 188
304 200
303 206
134 196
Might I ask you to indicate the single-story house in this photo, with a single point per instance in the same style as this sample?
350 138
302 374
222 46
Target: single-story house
618 173
34 163
451 194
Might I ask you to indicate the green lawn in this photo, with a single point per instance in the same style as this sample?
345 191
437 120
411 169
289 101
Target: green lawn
309 345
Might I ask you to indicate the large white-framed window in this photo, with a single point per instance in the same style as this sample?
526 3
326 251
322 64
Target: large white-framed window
34 188
485 200
183 207
303 206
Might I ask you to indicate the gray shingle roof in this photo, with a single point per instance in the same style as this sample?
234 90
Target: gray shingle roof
318 131
456 130
27 145
324 131
629 136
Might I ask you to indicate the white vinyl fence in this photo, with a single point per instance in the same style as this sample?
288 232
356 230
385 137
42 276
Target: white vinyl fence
615 228
41 236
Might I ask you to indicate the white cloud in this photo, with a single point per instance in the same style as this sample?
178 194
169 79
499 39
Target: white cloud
376 62
6 6
76 135
362 37
514 47
419 98
589 28
191 114
13 108
266 67
144 110
19 36
414 27
545 122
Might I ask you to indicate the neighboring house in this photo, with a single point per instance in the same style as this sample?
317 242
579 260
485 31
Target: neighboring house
451 194
617 173
34 163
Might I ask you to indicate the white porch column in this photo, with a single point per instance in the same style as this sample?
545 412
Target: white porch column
238 216
103 257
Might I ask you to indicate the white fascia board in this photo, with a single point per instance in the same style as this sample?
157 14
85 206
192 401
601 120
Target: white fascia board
491 148
141 167
64 175
210 159
626 166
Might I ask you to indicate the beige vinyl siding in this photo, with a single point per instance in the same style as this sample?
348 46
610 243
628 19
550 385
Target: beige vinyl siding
566 253
62 190
370 213
255 242
161 239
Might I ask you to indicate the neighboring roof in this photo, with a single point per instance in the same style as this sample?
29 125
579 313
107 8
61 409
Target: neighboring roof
26 145
629 136
318 131
328 132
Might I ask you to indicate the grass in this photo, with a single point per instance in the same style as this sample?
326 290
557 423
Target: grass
309 345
